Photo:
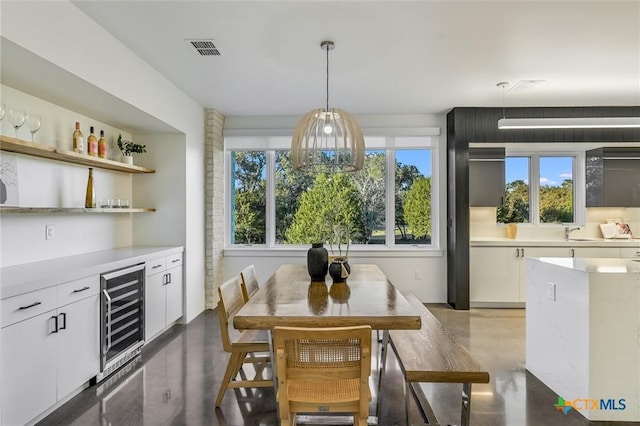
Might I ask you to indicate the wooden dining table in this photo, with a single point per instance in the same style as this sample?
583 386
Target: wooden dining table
289 298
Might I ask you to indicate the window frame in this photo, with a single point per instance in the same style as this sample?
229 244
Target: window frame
389 144
578 176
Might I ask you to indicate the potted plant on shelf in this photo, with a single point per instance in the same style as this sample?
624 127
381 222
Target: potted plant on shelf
128 148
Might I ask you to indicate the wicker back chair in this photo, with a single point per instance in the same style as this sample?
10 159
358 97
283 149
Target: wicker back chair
323 370
250 284
239 344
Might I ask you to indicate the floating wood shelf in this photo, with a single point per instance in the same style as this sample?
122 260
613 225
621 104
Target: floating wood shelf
45 151
7 210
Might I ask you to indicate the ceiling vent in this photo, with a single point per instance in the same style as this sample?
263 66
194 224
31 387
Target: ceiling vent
205 47
524 85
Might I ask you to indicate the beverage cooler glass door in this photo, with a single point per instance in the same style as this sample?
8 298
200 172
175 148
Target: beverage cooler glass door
122 329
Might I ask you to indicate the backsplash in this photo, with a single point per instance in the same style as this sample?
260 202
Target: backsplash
483 224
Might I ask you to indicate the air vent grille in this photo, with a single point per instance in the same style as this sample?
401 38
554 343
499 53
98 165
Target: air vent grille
205 47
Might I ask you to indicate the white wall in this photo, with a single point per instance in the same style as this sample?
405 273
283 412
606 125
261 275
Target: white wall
46 183
61 34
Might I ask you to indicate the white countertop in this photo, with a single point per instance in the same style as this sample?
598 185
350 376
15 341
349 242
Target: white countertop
19 279
594 265
592 242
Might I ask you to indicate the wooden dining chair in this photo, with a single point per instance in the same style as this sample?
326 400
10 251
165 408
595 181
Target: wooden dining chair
241 344
250 283
323 370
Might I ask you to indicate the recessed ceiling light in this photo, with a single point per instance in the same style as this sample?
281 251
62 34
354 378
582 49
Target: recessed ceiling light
524 85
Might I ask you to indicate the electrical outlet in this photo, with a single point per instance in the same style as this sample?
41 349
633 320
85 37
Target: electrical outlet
551 291
417 275
50 232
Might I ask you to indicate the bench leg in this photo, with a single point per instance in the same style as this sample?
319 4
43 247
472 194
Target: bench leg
466 404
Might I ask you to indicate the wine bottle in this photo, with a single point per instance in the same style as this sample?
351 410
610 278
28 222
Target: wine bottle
90 199
102 145
78 140
92 143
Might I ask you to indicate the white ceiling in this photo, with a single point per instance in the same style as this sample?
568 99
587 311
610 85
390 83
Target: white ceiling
391 57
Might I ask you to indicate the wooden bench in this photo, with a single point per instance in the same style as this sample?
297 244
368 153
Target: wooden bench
432 355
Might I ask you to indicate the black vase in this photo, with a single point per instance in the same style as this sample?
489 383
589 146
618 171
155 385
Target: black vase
317 262
339 269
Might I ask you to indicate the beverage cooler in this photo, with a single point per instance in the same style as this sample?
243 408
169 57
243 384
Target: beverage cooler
122 317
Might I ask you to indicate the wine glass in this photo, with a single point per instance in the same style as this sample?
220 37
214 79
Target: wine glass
16 117
33 123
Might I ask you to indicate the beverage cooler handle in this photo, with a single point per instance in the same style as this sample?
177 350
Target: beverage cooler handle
106 295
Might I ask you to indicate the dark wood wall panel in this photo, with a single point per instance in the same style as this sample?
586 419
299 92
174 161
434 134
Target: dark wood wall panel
480 125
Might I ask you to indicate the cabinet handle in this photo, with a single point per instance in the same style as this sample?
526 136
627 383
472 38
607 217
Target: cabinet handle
175 260
156 266
517 252
573 253
169 278
30 306
64 321
108 299
55 324
81 289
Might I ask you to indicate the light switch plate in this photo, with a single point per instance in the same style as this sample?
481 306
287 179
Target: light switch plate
551 291
50 232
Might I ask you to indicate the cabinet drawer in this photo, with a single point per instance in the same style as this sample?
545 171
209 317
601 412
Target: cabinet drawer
155 266
174 260
24 306
629 252
73 291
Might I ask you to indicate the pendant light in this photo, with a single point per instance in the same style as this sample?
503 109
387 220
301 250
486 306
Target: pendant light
327 138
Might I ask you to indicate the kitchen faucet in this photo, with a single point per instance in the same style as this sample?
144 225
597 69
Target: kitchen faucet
568 230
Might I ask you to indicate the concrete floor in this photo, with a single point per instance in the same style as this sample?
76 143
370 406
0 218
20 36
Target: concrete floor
176 379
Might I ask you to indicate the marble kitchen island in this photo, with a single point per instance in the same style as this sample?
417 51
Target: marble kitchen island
582 333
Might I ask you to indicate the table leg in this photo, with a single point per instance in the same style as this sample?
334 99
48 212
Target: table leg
466 404
382 366
273 369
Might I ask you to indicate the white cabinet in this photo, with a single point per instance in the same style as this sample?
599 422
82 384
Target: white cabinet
586 252
497 274
630 252
163 294
50 347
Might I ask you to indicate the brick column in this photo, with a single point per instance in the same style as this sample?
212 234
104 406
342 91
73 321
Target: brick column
214 205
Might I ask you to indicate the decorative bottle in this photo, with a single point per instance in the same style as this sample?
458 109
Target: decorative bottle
90 199
92 144
102 145
78 139
317 262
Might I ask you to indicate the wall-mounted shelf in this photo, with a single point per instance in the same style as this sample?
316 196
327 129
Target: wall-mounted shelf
7 210
45 151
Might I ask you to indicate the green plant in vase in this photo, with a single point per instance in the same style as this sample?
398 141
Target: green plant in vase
127 148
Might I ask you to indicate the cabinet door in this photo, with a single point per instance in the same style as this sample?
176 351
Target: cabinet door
613 252
28 369
536 252
154 305
629 252
174 295
493 274
486 183
78 344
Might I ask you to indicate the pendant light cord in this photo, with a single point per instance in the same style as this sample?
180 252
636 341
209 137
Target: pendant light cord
327 47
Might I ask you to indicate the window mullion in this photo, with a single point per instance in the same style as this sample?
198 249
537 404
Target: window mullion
270 221
390 203
534 189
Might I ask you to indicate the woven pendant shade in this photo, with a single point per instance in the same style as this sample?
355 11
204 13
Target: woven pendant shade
327 139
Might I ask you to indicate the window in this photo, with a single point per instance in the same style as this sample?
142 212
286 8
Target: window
248 197
387 203
413 197
540 188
